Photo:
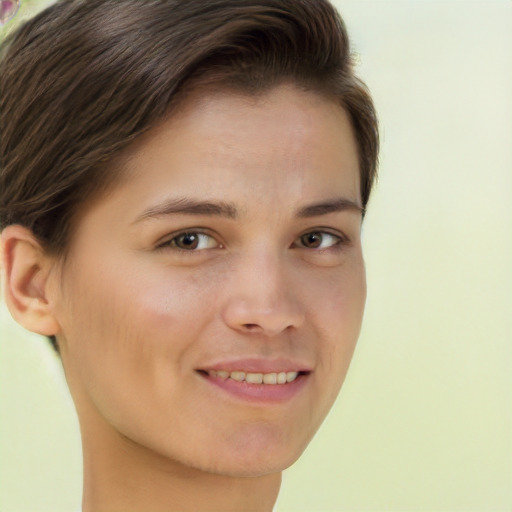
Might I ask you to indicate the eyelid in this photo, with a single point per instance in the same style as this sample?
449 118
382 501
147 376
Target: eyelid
166 241
343 239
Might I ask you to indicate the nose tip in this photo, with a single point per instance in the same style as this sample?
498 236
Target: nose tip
246 317
261 296
268 307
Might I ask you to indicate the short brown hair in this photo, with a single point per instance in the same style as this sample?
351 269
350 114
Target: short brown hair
83 79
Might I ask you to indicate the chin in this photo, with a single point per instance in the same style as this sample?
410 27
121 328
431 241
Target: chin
251 467
255 454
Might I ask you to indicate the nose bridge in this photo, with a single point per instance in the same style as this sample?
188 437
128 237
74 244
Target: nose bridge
261 296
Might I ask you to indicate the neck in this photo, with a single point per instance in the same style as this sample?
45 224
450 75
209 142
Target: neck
120 475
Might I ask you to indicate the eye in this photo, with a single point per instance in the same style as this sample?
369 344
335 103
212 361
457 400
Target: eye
191 241
319 240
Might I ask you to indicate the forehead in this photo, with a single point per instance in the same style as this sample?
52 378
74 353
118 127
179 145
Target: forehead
281 149
269 134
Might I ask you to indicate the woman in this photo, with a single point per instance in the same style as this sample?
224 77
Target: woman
182 190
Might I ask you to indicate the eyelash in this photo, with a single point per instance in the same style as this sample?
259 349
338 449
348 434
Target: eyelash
339 241
171 242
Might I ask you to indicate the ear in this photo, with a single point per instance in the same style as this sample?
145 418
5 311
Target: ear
26 269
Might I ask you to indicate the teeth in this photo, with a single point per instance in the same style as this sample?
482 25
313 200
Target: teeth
291 376
256 378
270 378
238 376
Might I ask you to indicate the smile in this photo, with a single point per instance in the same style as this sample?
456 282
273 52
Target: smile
261 388
255 378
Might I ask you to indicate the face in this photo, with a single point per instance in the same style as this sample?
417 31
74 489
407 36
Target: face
209 305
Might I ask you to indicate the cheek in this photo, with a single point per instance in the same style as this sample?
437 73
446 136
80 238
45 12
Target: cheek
338 313
337 302
169 308
117 303
134 330
130 338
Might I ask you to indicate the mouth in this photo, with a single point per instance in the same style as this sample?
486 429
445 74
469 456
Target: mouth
257 387
272 379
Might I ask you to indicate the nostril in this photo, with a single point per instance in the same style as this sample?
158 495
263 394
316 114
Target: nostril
251 327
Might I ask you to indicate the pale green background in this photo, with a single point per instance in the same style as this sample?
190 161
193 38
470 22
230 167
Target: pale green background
423 422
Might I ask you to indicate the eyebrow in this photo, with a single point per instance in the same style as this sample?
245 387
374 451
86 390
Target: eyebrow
189 206
332 206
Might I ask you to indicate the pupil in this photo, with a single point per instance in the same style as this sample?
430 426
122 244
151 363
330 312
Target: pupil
312 239
189 240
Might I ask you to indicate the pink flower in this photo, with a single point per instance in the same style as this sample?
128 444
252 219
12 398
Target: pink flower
8 9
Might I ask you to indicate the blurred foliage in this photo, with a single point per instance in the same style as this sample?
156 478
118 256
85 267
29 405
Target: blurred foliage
26 10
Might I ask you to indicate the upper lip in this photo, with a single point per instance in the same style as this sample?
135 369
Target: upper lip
258 365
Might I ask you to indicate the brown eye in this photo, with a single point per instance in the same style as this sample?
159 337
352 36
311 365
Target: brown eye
188 241
311 240
319 240
191 241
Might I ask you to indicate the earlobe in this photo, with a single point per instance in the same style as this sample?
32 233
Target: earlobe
26 270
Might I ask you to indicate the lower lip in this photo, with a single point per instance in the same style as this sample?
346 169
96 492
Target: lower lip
260 393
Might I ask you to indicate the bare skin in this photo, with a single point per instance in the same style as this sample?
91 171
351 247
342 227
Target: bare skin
120 476
231 245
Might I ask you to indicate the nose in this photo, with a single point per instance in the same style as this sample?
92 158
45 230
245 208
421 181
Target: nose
262 298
